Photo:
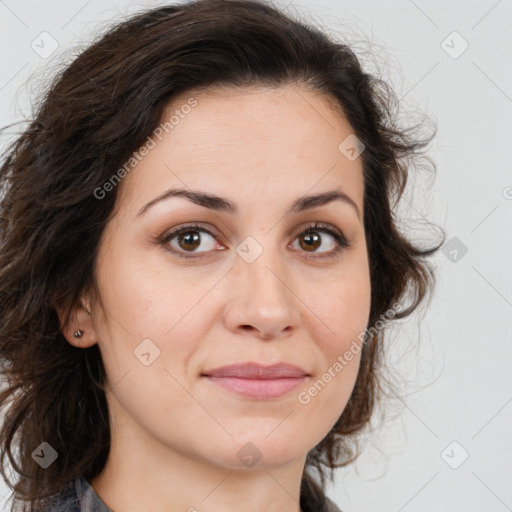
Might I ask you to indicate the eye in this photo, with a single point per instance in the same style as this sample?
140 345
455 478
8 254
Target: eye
310 239
188 238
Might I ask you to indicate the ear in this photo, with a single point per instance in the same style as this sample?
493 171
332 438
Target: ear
80 319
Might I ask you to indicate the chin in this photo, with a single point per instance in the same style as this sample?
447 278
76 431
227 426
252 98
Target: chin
260 454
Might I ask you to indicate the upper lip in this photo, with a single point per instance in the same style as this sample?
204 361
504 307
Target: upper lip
253 370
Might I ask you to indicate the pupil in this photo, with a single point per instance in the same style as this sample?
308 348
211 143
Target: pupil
310 240
191 240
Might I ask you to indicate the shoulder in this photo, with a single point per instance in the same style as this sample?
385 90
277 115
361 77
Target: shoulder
330 506
78 496
65 501
313 497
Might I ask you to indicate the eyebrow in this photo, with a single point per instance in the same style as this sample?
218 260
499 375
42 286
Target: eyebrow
221 204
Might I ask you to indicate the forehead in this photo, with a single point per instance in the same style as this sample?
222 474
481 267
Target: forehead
257 142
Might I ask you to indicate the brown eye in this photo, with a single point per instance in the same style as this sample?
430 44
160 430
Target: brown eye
189 240
311 241
313 237
184 241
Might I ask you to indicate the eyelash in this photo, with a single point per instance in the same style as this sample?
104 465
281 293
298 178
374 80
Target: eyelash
341 241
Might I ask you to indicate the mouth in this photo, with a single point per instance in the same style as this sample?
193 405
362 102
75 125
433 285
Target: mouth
257 381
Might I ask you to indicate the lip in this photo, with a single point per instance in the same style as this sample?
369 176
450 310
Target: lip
253 370
258 381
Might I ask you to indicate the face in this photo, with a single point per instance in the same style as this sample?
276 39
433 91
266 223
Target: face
255 283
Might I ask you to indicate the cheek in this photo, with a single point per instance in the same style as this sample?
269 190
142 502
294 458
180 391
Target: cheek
144 301
343 313
346 320
342 309
135 292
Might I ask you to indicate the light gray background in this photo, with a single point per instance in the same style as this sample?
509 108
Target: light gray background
459 384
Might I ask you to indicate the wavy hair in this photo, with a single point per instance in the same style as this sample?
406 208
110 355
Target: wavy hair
94 115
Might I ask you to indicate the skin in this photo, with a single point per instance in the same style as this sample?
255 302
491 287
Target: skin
175 435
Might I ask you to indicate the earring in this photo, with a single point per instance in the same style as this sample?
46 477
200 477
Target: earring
78 333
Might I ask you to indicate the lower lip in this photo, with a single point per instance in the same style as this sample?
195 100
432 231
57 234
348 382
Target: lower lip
258 388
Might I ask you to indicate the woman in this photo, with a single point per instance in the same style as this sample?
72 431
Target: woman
198 261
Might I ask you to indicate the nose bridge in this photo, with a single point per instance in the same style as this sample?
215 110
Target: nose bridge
259 260
264 297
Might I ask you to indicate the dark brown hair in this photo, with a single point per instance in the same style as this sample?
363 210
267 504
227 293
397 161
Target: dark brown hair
95 114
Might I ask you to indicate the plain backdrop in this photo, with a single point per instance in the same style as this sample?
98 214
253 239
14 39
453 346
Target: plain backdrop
443 445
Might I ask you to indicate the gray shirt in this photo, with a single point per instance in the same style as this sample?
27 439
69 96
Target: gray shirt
79 496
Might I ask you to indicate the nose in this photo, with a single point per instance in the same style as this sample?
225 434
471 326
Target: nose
262 299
